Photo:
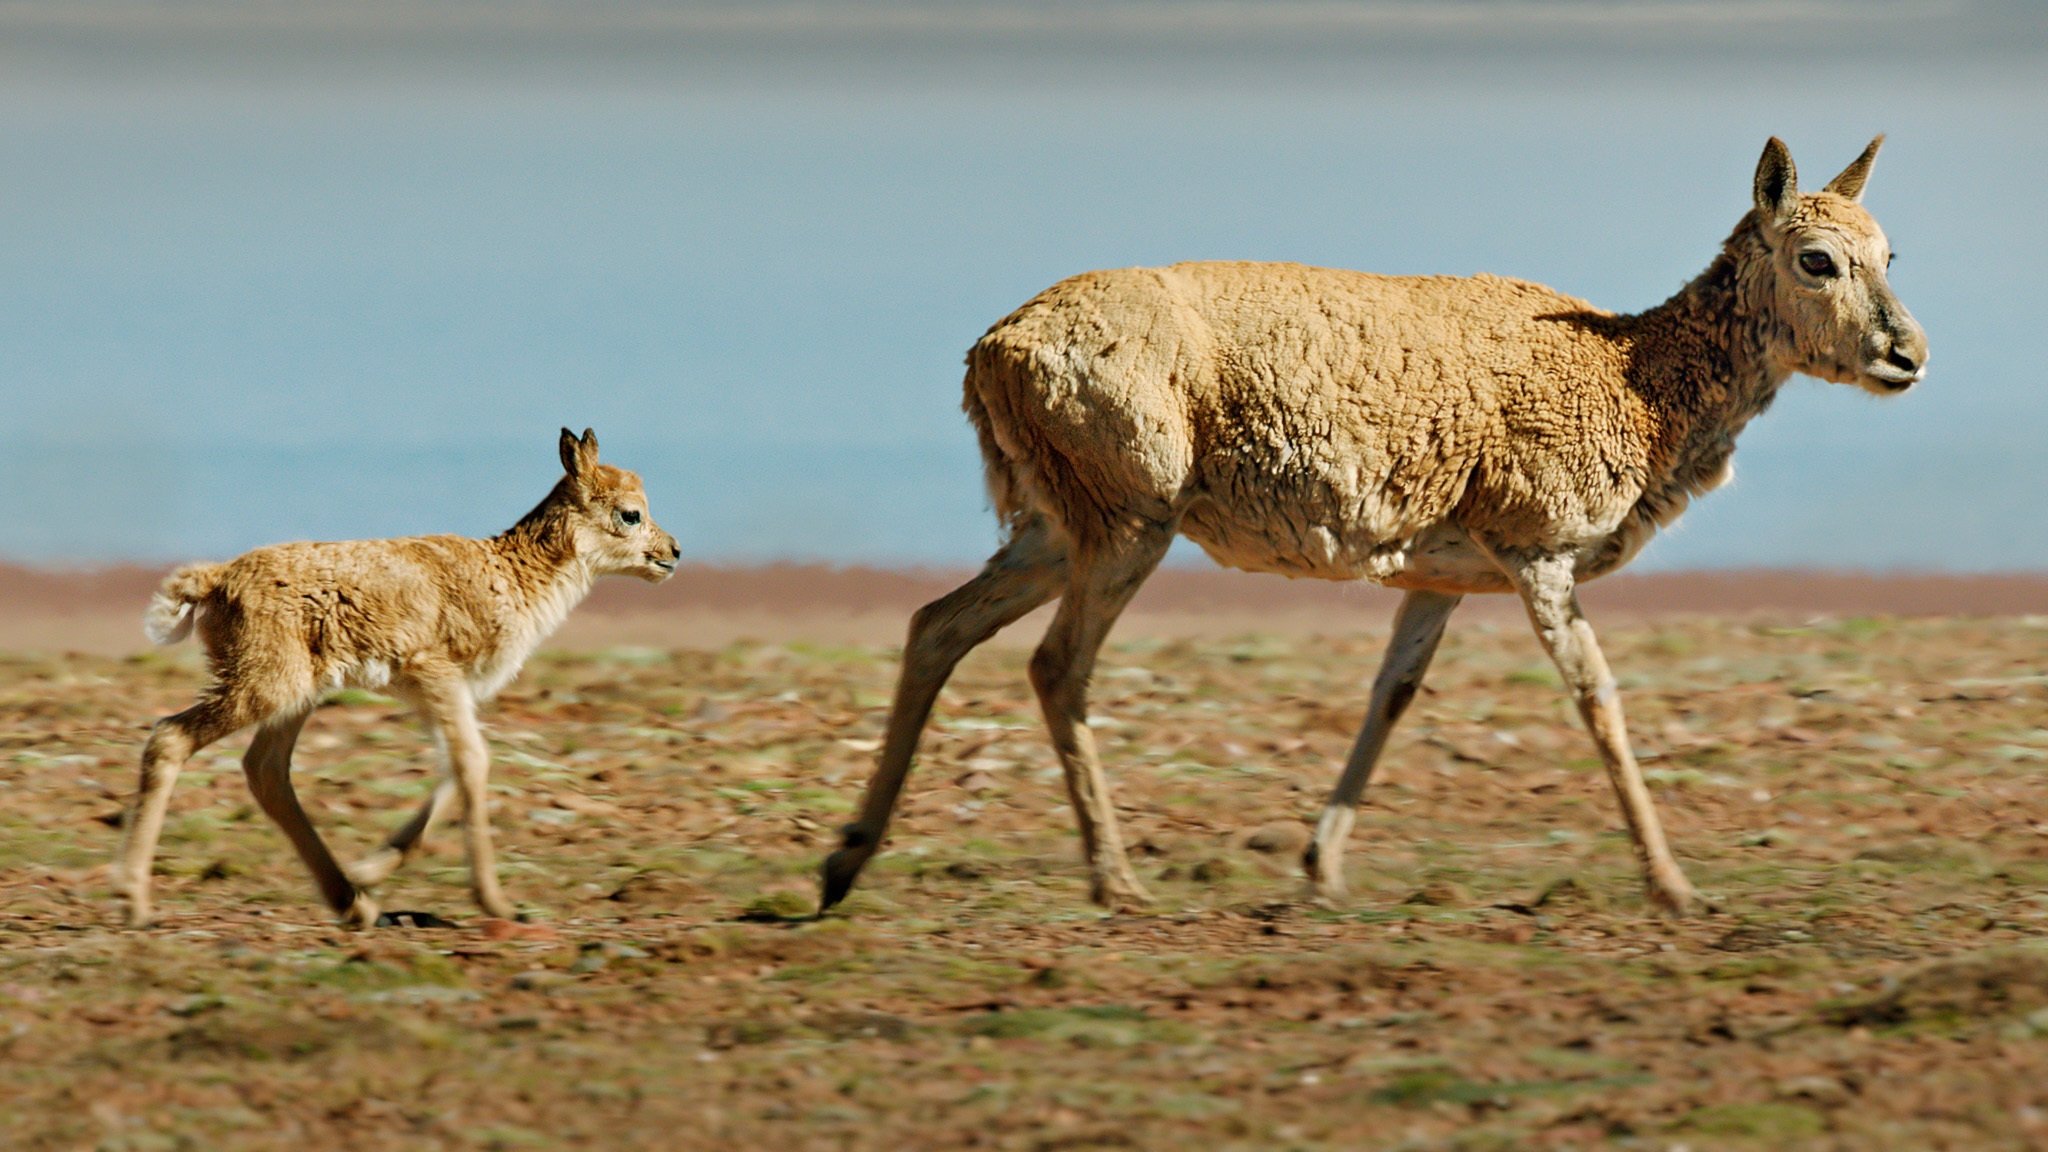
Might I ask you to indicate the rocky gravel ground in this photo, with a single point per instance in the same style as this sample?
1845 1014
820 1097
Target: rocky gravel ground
1864 800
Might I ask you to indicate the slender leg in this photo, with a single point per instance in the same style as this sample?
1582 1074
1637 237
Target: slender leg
378 865
1549 590
1022 575
171 743
1418 627
452 712
268 767
1098 588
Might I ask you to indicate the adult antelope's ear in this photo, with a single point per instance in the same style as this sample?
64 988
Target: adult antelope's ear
1850 182
1777 181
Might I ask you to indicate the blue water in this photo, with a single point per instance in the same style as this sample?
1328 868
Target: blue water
244 302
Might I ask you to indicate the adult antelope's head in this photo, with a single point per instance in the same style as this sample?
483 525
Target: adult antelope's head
1838 318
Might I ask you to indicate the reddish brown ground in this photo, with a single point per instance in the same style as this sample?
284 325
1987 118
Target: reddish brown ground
100 611
1863 796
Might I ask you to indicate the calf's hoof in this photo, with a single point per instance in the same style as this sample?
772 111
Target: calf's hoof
375 867
361 912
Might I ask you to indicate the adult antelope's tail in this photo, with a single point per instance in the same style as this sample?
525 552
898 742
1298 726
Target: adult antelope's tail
170 613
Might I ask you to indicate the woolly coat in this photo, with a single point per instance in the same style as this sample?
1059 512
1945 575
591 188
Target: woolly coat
1336 424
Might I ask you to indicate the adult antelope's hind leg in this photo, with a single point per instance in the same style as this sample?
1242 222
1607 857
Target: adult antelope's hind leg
171 742
1418 627
1022 575
1549 589
1098 588
268 767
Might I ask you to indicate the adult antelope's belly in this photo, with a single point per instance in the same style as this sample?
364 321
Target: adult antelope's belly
1440 558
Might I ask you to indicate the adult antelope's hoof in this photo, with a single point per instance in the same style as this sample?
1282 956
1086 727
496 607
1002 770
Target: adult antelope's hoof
137 916
1329 895
1677 899
837 876
1121 895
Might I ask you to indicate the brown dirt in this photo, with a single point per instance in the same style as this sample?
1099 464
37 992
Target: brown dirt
1862 797
99 611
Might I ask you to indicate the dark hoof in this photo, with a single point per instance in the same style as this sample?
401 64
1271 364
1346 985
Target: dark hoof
838 879
413 920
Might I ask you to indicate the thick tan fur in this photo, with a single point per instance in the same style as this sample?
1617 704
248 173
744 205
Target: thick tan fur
1445 435
441 621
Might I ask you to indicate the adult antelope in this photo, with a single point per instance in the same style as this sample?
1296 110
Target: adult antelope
1443 435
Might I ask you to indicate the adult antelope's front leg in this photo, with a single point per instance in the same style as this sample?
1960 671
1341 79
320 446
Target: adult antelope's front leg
1549 589
1418 627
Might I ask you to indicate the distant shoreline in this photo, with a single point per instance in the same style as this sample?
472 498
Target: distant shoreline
708 606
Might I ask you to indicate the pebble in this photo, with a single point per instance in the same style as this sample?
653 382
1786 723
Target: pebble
1280 838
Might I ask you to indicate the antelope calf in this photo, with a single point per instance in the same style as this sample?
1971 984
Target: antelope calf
440 621
1443 435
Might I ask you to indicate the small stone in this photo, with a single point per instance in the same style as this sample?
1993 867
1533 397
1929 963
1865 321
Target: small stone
1824 1090
585 805
1440 894
777 906
496 929
1280 838
541 980
977 783
644 888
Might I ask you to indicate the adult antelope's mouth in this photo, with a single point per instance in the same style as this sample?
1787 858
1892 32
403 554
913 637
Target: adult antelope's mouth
1891 378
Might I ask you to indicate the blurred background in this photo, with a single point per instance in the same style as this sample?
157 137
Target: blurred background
277 270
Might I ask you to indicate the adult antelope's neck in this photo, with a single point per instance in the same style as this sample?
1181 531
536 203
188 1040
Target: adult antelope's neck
1701 359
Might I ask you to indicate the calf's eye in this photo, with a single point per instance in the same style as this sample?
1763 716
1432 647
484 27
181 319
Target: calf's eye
1817 263
629 517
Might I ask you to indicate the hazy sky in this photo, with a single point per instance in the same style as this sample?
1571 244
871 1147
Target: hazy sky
341 270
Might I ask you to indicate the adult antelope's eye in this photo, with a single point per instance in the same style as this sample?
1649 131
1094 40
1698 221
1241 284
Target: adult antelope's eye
629 516
1817 263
